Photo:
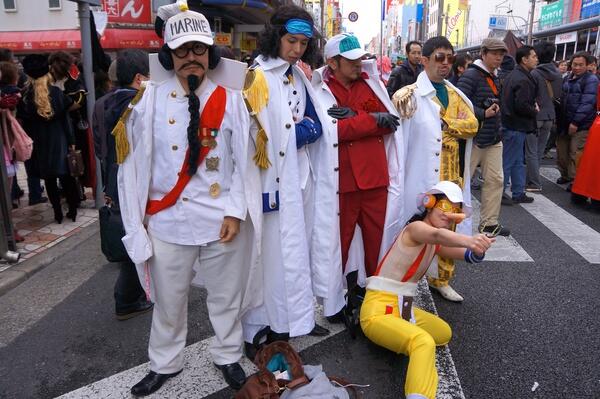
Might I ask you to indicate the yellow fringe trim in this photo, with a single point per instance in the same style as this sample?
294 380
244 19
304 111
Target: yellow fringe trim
405 102
256 96
120 129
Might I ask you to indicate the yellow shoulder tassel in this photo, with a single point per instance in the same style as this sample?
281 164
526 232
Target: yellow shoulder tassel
405 102
256 96
120 129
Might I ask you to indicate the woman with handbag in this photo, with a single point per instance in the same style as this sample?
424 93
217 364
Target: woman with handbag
44 116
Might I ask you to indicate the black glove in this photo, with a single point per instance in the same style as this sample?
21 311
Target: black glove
340 112
386 120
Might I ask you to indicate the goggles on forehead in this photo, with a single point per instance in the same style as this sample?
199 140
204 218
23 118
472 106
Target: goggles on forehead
452 210
297 26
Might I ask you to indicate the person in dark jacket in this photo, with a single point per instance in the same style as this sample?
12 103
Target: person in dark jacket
519 111
132 69
578 102
549 84
461 63
481 85
44 116
406 74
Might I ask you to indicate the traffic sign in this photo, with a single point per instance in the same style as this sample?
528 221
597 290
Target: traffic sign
353 16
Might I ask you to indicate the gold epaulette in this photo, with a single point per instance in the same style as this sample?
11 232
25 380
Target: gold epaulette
256 96
405 101
120 130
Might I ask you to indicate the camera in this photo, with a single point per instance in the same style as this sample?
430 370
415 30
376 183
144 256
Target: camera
488 102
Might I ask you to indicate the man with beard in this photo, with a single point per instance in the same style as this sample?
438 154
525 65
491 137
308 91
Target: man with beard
438 127
181 192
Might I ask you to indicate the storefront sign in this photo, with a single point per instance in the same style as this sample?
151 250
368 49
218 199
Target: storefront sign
128 11
590 8
223 39
566 38
552 15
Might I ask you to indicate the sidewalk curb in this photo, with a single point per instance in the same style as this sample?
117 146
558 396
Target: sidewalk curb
17 274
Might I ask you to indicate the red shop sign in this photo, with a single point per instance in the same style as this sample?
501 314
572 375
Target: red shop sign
128 11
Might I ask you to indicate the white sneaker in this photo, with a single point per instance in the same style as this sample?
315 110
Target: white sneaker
448 293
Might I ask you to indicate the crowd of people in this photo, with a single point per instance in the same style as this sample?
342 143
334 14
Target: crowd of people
307 185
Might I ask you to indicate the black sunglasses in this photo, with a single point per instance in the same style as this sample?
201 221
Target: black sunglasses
196 48
440 57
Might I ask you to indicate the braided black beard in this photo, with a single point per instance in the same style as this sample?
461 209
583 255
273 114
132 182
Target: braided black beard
192 131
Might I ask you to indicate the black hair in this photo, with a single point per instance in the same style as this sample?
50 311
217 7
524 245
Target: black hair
522 52
461 61
581 54
166 59
269 40
436 43
6 54
545 51
61 60
592 60
421 215
130 62
407 48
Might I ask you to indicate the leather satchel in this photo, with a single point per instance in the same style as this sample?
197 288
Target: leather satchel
75 161
111 232
263 384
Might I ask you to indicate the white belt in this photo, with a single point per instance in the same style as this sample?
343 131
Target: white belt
377 283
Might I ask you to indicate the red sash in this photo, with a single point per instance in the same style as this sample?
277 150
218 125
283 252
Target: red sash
211 119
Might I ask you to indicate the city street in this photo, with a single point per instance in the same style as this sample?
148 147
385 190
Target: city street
528 327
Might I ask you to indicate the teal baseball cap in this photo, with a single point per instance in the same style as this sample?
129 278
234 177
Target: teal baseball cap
345 45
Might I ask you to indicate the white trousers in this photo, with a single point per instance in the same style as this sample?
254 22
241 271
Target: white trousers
171 271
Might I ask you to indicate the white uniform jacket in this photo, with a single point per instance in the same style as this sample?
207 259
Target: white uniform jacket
283 187
326 247
423 143
135 176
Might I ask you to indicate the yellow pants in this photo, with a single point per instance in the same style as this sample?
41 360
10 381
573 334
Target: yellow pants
398 335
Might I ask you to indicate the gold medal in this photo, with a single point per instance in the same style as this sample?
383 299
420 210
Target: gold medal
212 164
212 143
214 190
205 142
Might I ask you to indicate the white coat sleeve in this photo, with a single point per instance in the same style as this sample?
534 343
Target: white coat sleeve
240 125
136 240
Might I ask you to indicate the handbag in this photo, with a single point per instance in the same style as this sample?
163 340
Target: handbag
75 161
111 232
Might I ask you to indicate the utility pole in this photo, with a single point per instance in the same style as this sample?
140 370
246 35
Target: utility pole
530 32
323 29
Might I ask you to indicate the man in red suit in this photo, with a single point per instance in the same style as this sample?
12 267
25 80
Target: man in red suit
363 121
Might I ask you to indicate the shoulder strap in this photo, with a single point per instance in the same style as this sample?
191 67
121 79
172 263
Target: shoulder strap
550 89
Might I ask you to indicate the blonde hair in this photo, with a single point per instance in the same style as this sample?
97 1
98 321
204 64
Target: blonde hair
41 95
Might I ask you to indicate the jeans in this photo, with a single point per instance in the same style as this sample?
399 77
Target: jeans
128 290
535 145
513 161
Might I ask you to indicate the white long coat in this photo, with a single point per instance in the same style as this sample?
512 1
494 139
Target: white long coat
326 247
293 302
423 143
134 185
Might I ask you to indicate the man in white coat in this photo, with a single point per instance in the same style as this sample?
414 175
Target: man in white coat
182 197
438 125
359 166
285 124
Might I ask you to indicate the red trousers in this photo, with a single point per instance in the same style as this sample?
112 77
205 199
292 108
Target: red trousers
367 208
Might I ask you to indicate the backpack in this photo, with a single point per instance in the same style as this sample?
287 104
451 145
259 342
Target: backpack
281 356
21 142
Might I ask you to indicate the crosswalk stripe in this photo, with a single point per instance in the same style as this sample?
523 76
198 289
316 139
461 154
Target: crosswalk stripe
505 249
576 234
550 173
200 378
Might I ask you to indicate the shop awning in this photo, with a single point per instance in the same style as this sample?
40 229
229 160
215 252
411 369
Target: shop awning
53 40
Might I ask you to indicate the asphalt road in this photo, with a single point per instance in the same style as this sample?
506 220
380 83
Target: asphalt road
522 322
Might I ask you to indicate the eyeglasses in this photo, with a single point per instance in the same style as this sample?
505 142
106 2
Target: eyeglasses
196 48
440 57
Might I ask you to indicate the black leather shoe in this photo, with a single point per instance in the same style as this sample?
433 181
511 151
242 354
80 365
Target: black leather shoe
234 375
274 336
151 383
138 308
319 331
337 318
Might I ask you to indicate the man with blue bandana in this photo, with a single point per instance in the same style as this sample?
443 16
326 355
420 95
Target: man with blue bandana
285 128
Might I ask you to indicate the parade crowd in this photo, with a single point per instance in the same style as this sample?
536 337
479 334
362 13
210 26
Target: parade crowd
314 182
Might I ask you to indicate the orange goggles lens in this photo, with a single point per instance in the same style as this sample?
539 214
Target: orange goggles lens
448 207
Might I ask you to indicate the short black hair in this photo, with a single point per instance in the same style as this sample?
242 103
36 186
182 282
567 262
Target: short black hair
130 62
435 43
545 51
522 52
581 54
269 40
6 54
592 60
461 61
407 48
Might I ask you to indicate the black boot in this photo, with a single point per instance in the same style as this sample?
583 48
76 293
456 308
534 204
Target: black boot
151 383
72 214
58 215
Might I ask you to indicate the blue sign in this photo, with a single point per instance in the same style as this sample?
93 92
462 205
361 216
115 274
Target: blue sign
590 8
498 22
